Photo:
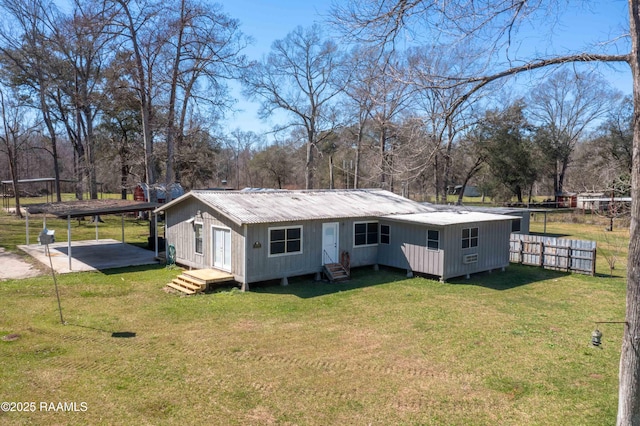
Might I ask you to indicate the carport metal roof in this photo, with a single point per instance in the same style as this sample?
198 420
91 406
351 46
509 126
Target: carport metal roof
81 208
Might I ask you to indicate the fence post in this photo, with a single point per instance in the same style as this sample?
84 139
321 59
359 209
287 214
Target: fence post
542 253
569 252
521 253
593 263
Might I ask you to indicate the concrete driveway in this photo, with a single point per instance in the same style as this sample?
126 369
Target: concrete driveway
90 255
13 266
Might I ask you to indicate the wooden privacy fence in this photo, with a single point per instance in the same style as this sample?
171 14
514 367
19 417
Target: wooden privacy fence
554 253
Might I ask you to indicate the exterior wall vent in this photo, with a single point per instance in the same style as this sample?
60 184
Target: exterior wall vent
470 258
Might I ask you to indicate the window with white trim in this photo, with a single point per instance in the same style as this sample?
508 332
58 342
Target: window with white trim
433 239
469 237
197 230
365 233
385 234
285 240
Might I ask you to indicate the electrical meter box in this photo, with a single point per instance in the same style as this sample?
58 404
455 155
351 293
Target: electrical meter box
47 237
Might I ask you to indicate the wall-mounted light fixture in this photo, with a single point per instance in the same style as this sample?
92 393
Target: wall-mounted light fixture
257 245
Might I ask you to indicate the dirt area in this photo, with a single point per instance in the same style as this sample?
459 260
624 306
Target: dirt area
12 266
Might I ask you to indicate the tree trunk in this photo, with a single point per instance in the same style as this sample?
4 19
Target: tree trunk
563 171
629 390
331 183
92 180
436 176
170 176
13 168
46 116
308 167
383 152
356 169
518 191
446 176
145 105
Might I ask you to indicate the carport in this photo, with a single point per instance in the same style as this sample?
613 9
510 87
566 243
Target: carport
111 249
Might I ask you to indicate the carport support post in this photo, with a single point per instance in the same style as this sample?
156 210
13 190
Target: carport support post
27 223
69 240
155 231
96 221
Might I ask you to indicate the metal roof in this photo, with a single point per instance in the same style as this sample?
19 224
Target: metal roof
288 206
37 180
442 218
90 207
480 209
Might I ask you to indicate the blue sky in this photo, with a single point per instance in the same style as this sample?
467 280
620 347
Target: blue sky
577 28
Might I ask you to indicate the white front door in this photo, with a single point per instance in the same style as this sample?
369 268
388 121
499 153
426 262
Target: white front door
222 248
330 242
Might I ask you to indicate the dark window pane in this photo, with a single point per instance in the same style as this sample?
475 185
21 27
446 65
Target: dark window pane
372 237
515 225
465 243
474 242
432 245
277 247
293 234
277 234
360 239
384 229
465 233
474 232
361 228
293 246
433 235
372 227
384 239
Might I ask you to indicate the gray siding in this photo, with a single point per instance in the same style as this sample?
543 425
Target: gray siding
407 249
492 249
261 266
525 221
180 233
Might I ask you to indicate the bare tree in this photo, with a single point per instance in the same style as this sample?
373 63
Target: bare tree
240 143
25 44
564 106
140 25
15 137
444 116
202 50
358 102
494 24
82 42
302 76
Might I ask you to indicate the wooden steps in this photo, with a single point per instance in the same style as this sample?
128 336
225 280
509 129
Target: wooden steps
197 281
335 272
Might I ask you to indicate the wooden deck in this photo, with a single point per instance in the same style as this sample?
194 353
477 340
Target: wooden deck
198 280
209 276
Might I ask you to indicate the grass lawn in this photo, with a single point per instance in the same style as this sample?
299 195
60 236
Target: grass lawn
506 348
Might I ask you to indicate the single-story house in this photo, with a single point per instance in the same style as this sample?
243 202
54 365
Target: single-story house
259 236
